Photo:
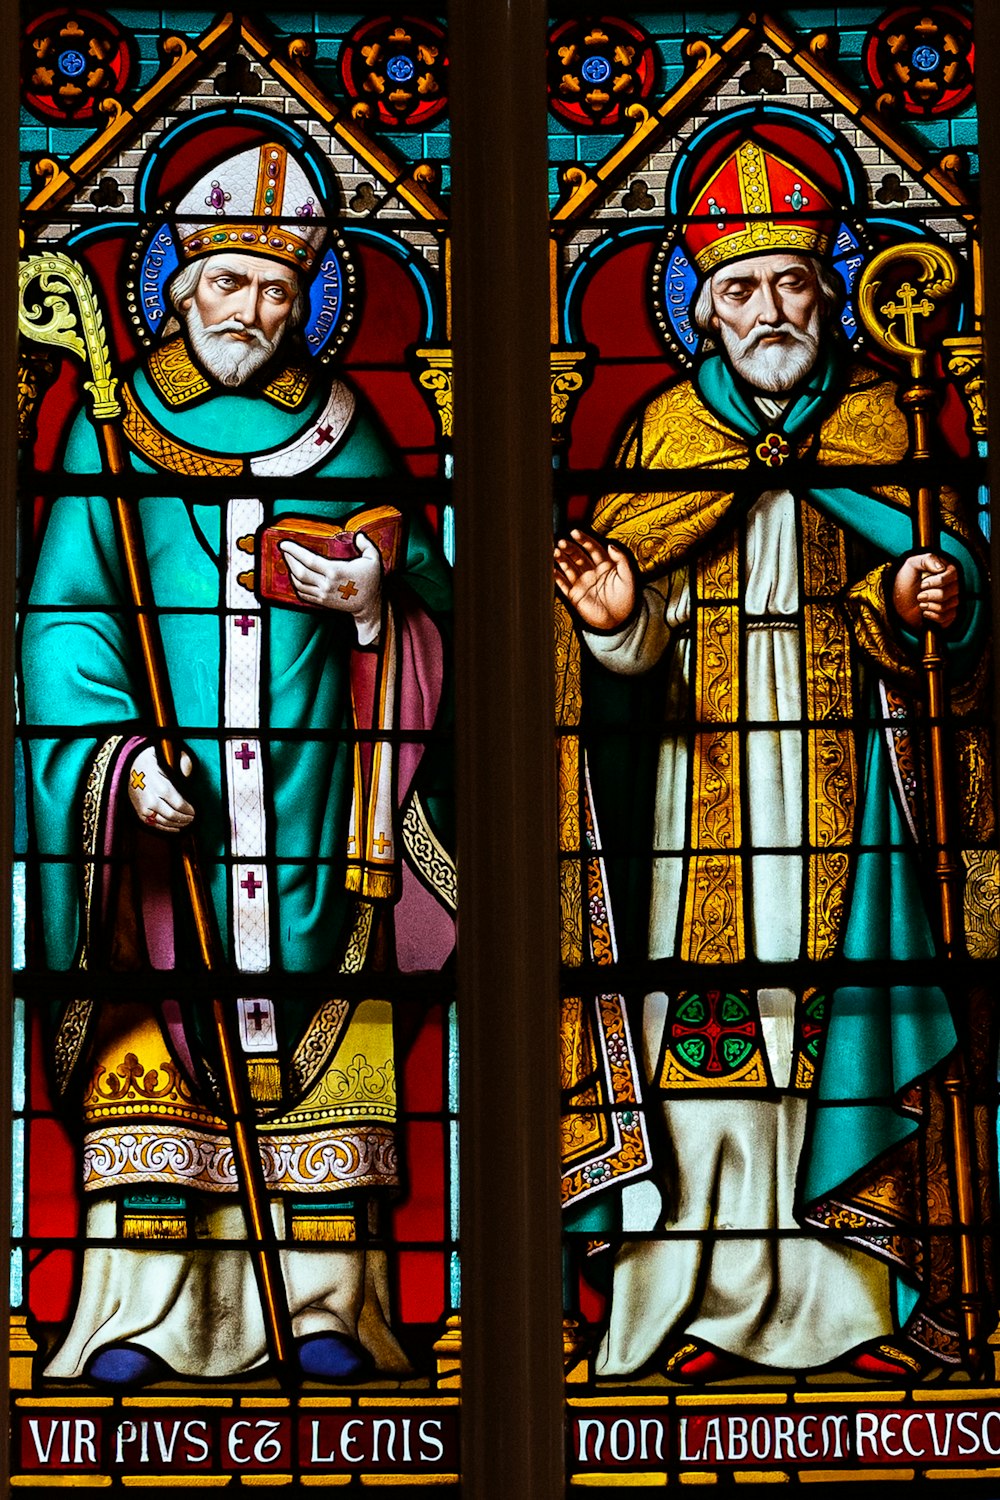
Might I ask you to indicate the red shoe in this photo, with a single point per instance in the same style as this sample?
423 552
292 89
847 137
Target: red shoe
884 1362
698 1365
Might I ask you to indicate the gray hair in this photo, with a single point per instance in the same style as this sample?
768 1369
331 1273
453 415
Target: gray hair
184 283
830 289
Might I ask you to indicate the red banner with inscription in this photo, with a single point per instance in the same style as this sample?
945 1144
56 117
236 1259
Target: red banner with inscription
654 1437
418 1439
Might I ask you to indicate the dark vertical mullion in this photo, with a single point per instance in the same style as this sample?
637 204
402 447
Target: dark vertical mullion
508 943
9 171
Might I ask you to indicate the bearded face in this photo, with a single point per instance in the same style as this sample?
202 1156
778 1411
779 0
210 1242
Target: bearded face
773 359
767 312
230 351
237 309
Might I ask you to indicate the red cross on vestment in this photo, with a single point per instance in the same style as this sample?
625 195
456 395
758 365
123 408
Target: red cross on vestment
258 1015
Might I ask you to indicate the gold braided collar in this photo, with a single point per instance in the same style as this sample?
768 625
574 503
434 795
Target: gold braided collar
178 380
165 452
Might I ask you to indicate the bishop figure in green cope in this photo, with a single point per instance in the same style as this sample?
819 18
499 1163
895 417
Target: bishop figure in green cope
320 833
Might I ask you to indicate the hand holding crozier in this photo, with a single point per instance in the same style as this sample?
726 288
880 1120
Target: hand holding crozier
925 591
154 798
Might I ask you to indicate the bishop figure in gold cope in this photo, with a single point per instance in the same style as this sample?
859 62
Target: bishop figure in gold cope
782 605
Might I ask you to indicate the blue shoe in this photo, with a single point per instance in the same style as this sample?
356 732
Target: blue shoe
125 1365
330 1356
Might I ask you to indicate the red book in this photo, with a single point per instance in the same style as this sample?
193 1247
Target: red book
382 525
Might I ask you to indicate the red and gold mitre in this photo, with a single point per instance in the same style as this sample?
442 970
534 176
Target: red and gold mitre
756 200
261 201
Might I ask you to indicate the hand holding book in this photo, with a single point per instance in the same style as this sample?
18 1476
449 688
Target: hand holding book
350 585
304 563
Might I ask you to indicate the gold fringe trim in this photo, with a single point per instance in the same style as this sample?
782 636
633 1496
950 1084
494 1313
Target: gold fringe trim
264 1074
154 1227
372 883
339 1229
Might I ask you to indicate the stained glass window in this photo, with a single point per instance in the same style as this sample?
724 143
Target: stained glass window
235 1066
778 846
778 871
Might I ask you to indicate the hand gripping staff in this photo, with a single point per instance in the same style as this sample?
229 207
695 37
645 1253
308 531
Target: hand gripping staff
75 323
937 278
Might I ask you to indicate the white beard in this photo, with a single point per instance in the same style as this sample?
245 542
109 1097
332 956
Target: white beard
229 361
777 367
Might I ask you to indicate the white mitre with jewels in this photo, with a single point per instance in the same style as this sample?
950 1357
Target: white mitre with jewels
229 207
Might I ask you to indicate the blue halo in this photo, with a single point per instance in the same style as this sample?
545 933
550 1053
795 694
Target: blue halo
158 265
848 259
326 302
680 282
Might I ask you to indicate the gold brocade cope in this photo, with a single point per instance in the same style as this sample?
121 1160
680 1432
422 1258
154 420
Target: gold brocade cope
678 431
849 648
867 608
146 1125
583 1129
700 530
603 1131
